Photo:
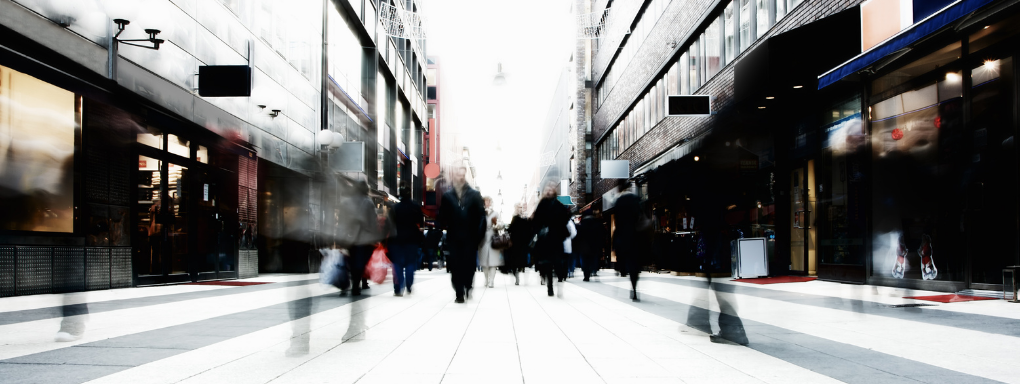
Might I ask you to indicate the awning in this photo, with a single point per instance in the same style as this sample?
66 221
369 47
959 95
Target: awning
904 39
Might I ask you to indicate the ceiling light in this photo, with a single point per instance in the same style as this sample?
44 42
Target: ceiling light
986 27
696 158
769 97
798 86
761 107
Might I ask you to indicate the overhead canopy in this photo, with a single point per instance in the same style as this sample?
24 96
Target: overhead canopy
904 39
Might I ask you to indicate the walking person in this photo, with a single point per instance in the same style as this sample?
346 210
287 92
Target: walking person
430 247
489 258
565 268
408 220
361 231
462 215
629 223
550 224
516 257
590 237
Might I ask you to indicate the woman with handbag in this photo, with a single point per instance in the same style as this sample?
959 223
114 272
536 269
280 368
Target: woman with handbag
490 256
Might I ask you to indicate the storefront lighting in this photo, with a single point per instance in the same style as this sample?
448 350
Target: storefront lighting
991 64
951 76
325 137
770 97
798 86
761 107
338 140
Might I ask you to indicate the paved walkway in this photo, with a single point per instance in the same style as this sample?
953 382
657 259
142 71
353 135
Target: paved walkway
296 331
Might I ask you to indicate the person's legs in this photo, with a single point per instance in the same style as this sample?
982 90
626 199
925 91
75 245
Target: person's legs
517 276
398 257
409 270
359 258
633 269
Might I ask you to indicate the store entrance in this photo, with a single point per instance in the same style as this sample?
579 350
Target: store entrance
183 213
802 231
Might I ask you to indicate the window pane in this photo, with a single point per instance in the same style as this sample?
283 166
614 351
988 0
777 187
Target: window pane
178 146
692 67
780 9
671 80
712 46
730 25
745 24
685 74
763 17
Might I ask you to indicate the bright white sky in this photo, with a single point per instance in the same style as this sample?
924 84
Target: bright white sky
533 39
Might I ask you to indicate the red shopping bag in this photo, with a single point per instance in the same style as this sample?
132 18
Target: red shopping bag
378 266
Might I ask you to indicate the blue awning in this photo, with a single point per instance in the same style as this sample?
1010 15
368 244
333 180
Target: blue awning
902 40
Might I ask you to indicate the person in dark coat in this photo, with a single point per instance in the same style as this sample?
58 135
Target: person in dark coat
430 246
408 220
626 237
590 237
516 258
462 215
550 224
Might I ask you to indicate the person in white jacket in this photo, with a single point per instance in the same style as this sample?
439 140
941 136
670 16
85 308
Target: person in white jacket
488 258
561 267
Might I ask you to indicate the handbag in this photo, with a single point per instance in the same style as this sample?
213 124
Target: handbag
501 240
333 270
378 266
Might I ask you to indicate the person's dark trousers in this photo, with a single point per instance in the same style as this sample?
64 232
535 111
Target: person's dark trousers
561 266
589 264
427 256
359 258
462 270
405 260
545 269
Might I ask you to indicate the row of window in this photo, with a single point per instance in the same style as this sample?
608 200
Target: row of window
644 26
719 44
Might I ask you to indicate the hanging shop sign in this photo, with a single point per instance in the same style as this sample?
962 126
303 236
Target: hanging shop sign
689 105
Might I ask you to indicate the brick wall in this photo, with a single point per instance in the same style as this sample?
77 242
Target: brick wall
648 64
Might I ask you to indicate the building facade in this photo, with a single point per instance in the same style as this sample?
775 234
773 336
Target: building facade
145 181
820 152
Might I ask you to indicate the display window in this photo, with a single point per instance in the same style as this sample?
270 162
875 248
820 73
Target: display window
38 126
943 178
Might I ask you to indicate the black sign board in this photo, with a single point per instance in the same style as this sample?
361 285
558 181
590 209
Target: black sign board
224 81
689 105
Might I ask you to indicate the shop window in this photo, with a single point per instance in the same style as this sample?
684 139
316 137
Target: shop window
153 137
692 67
178 146
202 156
994 33
926 64
37 143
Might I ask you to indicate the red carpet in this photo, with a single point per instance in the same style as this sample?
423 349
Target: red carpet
777 280
230 283
952 298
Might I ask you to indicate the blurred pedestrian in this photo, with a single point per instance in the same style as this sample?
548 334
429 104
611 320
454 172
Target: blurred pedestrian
407 220
550 224
565 268
516 257
590 237
433 239
362 232
629 223
489 258
462 215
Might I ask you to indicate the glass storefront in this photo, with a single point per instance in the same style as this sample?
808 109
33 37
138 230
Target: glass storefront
186 220
944 164
39 123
